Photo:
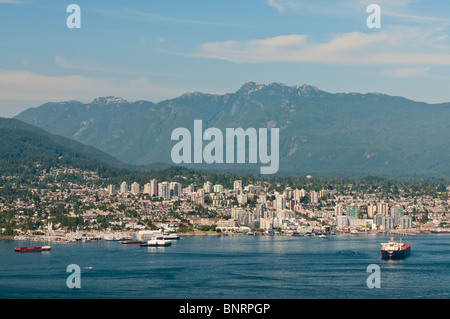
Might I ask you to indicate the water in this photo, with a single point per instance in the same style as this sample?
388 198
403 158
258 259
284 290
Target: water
244 267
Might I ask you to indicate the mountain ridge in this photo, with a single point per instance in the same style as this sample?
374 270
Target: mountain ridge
320 132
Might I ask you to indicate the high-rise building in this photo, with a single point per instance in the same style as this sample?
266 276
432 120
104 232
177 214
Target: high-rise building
260 209
175 189
124 188
164 190
378 219
352 211
218 188
323 192
298 195
242 198
387 222
396 214
200 196
262 199
338 210
342 221
371 210
146 188
208 187
111 189
280 203
382 208
314 197
135 188
406 222
288 193
154 188
237 186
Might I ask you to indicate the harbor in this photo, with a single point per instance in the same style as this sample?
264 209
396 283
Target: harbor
230 267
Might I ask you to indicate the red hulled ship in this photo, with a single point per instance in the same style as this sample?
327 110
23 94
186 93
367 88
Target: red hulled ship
395 250
32 249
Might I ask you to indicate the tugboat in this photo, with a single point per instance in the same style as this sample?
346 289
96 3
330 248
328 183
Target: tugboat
395 250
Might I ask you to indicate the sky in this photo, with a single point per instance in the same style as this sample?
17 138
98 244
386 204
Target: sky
156 50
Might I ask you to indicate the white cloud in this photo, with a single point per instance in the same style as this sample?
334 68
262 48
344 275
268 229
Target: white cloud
278 5
397 45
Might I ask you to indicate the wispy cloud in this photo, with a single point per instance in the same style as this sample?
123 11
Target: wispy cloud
25 85
399 9
391 46
11 2
150 16
95 67
406 72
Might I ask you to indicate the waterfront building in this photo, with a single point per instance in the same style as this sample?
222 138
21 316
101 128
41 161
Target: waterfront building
342 221
405 222
396 214
352 211
378 219
338 210
260 209
382 208
371 210
387 222
266 223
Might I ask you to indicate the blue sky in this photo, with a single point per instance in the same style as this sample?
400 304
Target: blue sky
157 50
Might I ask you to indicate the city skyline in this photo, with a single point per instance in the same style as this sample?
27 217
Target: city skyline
160 50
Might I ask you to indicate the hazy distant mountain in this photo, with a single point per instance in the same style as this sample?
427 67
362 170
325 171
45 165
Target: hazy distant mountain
320 133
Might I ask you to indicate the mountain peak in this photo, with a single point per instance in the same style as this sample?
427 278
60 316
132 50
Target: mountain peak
302 89
109 100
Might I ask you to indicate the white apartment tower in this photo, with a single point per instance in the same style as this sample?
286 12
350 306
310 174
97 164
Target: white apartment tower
124 188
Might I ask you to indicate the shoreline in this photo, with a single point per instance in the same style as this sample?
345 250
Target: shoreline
63 239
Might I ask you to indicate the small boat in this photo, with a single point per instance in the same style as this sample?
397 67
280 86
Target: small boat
126 242
156 242
171 237
32 249
323 236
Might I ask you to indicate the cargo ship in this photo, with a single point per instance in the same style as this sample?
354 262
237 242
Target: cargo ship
32 249
395 250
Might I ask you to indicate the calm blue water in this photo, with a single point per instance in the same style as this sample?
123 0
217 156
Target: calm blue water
248 267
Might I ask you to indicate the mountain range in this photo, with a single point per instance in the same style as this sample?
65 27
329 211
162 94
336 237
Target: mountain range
321 133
